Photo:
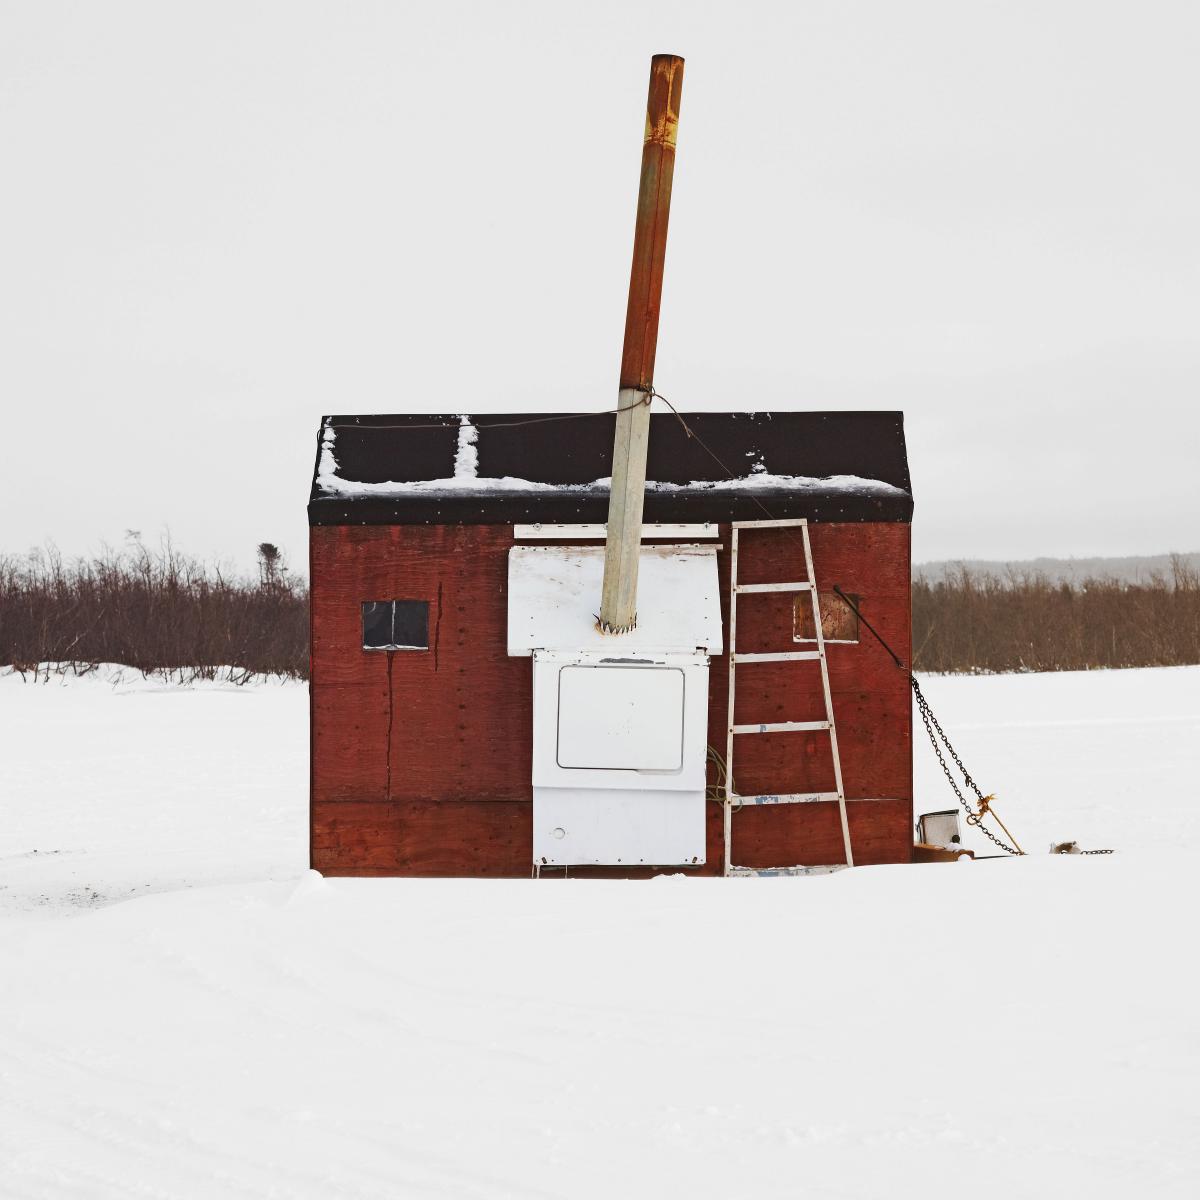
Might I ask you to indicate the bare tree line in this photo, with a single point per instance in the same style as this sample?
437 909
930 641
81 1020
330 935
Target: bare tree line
160 611
972 621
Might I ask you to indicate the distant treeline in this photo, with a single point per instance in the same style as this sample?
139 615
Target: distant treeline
155 610
160 611
971 621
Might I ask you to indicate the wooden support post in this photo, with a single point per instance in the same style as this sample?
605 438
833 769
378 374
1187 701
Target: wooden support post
618 601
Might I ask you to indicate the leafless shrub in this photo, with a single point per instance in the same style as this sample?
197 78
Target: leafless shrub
971 621
158 611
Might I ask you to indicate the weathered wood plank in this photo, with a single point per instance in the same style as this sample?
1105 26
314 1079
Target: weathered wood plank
418 838
349 739
450 723
811 834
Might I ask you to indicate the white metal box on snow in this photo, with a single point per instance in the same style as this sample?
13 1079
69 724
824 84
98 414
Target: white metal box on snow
620 724
939 828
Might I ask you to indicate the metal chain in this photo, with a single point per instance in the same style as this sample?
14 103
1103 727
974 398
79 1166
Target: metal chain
930 721
973 817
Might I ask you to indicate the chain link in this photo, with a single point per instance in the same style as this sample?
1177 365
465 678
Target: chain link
973 817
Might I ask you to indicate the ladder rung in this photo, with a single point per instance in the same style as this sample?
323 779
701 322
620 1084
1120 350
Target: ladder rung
791 522
777 656
767 871
783 727
786 798
774 587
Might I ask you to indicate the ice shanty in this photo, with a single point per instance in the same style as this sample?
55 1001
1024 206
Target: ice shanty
614 643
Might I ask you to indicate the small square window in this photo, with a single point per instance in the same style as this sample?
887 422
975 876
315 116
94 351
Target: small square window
839 623
395 624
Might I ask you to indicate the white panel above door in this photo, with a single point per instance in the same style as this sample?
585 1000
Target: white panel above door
554 593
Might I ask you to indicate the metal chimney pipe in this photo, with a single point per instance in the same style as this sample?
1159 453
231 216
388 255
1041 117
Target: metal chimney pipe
618 600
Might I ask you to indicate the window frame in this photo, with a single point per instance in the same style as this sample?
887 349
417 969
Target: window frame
835 600
393 646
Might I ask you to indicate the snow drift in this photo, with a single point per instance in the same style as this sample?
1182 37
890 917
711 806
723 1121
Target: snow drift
1015 1028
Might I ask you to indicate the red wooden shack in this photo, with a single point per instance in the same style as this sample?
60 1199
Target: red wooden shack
422 714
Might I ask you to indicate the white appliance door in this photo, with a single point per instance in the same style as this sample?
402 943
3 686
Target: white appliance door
620 718
619 748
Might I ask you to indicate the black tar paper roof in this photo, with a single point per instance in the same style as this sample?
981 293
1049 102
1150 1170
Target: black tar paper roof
511 468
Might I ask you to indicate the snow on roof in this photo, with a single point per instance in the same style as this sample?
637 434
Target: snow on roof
449 469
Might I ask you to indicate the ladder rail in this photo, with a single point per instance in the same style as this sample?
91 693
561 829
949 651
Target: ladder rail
833 742
727 815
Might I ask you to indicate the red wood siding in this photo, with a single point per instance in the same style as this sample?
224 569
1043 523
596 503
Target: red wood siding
870 699
450 723
421 761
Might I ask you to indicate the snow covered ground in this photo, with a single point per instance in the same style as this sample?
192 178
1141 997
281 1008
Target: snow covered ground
186 1012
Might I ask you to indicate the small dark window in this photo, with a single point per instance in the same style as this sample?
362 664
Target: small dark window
395 624
838 620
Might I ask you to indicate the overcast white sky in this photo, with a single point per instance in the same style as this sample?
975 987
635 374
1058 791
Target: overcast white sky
220 220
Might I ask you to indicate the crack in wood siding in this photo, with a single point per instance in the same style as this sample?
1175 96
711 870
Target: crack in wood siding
437 628
391 658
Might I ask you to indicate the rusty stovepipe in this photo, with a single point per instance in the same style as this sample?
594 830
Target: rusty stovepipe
618 601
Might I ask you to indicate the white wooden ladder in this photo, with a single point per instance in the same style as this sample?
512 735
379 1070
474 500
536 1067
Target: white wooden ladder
732 799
